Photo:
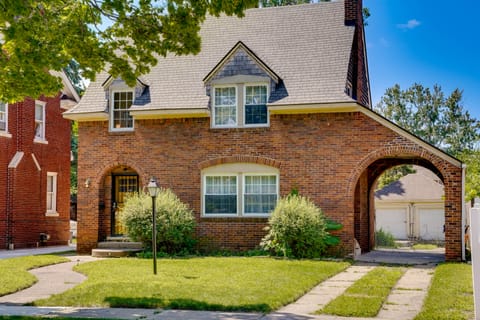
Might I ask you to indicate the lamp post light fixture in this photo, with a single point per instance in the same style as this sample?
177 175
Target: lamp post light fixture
153 190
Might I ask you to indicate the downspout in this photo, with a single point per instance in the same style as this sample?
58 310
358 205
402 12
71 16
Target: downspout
9 240
464 166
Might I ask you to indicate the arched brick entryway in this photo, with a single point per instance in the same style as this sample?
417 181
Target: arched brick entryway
373 165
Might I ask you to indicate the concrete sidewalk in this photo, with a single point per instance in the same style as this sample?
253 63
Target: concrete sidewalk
404 302
5 254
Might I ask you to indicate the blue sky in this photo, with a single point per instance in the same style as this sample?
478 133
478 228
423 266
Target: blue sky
425 41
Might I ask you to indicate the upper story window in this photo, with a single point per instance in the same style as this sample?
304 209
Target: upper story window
240 105
40 120
3 116
120 118
256 105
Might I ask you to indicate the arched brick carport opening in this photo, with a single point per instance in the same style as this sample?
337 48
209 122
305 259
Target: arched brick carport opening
364 208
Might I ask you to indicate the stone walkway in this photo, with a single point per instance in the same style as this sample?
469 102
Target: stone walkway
404 302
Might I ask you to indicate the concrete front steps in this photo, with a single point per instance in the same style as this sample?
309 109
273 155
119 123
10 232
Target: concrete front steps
116 247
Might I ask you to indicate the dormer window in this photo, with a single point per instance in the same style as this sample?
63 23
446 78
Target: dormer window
3 116
120 118
256 105
240 105
225 106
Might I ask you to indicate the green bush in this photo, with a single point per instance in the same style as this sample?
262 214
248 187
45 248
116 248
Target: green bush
297 228
384 239
175 221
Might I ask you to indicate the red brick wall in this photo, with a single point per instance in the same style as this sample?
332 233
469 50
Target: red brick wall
321 155
26 203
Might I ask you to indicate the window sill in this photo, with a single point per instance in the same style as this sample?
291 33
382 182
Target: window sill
263 126
5 134
38 140
51 214
236 218
121 131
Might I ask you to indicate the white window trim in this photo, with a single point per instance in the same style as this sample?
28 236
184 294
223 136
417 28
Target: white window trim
5 131
204 189
52 212
277 190
240 108
214 125
269 171
41 139
111 127
256 125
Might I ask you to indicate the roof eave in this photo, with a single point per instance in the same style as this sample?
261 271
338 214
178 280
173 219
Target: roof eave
86 116
170 113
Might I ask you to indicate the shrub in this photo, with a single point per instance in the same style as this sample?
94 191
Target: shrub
384 239
297 228
175 221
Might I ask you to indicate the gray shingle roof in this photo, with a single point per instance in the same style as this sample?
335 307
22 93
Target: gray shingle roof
307 46
421 185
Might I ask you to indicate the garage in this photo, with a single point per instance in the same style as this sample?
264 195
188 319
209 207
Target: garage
412 208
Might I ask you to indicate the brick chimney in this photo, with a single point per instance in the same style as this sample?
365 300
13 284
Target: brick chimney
353 12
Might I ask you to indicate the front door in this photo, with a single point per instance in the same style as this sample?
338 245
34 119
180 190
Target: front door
122 186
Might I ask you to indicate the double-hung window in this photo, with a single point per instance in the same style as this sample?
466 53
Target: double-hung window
240 105
51 193
221 195
39 120
256 105
3 116
120 118
226 106
260 194
240 190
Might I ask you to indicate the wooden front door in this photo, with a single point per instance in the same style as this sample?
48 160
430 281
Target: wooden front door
122 186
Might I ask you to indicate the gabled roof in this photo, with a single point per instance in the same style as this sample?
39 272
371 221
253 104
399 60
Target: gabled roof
241 46
307 46
423 185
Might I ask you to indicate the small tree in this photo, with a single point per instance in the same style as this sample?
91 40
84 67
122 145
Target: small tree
297 228
175 221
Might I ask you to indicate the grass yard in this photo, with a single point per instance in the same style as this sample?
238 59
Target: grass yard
366 296
450 295
424 246
227 284
14 274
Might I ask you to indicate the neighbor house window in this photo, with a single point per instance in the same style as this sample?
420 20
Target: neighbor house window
3 116
240 105
51 193
256 105
39 120
120 117
242 189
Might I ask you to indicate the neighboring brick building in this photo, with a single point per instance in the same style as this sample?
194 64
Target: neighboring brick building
275 101
35 170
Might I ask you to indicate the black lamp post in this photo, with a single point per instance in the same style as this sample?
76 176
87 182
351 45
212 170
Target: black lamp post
153 189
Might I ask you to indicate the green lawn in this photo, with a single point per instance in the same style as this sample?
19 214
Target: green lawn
367 295
235 283
14 274
450 295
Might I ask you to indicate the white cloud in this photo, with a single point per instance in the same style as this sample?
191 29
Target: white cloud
411 24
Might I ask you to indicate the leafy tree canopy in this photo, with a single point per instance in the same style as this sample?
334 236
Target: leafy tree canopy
432 116
124 37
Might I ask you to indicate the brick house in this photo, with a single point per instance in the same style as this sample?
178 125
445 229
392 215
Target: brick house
35 170
275 101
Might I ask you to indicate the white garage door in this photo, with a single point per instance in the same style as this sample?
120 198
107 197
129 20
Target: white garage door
431 223
393 220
